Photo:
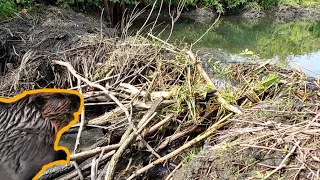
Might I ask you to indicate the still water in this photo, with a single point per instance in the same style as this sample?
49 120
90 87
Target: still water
294 42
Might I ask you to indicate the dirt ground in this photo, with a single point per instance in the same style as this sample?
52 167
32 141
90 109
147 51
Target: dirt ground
30 42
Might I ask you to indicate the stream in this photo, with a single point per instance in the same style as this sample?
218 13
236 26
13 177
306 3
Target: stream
295 43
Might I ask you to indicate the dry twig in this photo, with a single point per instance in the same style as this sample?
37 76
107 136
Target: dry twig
209 131
144 121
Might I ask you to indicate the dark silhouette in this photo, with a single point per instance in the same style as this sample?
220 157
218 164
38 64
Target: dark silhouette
28 129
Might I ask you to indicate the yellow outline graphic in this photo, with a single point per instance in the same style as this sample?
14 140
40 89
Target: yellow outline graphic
59 134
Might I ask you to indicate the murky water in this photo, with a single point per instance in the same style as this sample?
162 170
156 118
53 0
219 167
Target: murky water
298 42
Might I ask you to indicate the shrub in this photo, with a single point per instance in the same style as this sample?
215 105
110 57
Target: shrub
7 9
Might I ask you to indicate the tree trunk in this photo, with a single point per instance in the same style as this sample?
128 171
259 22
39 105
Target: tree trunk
108 5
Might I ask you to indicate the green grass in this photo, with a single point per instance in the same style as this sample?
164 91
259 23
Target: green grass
7 9
303 3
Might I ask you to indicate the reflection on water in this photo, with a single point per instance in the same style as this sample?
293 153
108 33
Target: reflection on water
309 63
298 41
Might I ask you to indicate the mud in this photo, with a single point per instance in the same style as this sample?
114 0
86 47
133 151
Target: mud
283 13
225 163
31 40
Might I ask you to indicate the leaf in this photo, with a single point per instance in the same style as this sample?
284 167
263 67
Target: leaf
247 52
115 1
258 86
269 80
259 175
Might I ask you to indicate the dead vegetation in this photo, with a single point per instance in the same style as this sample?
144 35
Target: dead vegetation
277 137
154 102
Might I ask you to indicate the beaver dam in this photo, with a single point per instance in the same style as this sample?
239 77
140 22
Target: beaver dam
153 112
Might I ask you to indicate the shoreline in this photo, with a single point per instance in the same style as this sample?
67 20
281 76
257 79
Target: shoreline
282 13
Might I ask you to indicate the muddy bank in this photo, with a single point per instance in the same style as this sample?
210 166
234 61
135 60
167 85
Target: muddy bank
282 13
29 42
293 13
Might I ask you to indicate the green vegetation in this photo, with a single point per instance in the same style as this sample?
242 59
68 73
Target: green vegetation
303 3
7 6
7 9
25 2
187 156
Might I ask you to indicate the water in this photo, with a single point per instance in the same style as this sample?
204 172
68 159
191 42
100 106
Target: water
298 42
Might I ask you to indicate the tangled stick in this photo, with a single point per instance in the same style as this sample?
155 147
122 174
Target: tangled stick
93 152
220 99
74 73
143 122
199 138
284 161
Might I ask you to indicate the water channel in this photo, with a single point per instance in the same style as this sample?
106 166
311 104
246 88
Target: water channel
297 43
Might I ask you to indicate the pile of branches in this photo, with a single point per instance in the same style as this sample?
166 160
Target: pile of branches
278 134
156 99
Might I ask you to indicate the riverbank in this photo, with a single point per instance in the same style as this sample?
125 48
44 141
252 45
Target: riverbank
284 13
281 12
151 107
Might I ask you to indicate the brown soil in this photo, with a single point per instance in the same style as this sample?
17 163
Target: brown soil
29 43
